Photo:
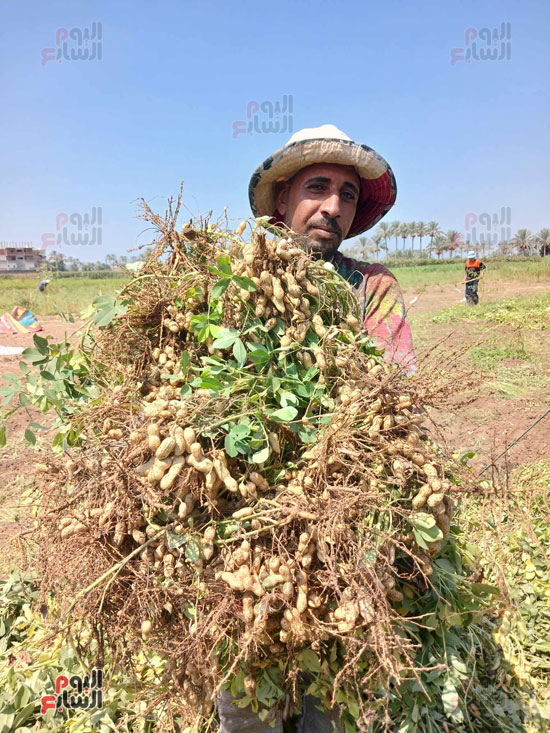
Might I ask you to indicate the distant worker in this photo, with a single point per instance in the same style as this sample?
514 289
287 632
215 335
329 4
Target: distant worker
42 285
474 273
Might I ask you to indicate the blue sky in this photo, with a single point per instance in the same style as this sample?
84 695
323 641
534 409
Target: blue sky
159 107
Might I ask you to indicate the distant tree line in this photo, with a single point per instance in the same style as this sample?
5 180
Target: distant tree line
59 262
430 239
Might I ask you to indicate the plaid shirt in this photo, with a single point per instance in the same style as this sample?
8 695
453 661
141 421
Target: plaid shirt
382 307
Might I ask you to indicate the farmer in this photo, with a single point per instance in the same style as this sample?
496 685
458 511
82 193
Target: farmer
326 187
474 273
42 285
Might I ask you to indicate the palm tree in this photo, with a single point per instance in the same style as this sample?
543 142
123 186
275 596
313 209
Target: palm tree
454 240
384 231
432 230
363 247
438 244
543 238
377 237
404 232
394 231
422 231
522 239
413 233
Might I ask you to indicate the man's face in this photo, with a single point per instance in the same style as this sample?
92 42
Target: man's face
320 202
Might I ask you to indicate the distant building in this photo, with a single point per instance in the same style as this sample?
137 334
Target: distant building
20 257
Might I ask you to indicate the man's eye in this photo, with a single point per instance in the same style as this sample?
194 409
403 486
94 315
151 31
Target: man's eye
318 186
350 196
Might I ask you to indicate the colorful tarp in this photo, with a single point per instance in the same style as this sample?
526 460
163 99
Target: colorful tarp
20 320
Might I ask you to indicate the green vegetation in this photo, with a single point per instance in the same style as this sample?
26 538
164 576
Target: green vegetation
520 270
531 313
62 296
511 530
490 355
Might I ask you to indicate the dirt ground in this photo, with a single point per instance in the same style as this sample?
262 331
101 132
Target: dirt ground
18 458
507 400
494 416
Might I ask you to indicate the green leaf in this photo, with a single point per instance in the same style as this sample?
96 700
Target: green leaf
245 283
241 431
421 521
185 360
308 435
226 338
309 661
483 588
2 436
285 414
24 400
258 353
106 310
203 334
230 446
261 456
198 322
34 356
287 398
234 440
450 697
224 263
41 344
192 550
426 536
239 352
466 457
30 437
220 287
175 541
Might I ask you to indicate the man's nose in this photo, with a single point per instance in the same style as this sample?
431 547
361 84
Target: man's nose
331 205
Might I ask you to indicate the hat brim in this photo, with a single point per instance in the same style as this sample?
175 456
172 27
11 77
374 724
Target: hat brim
378 187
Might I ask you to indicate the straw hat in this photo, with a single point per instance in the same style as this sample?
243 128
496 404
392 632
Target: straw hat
326 144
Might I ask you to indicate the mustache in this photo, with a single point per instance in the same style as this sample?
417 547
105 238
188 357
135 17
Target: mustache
330 224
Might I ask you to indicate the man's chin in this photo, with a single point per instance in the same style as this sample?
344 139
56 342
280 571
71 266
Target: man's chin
325 248
323 245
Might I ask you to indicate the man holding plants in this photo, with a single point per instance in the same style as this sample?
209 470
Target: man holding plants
327 188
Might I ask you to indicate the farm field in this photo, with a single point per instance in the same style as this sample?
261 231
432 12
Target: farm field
63 295
510 358
501 385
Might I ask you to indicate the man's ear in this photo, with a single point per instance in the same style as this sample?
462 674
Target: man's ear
281 198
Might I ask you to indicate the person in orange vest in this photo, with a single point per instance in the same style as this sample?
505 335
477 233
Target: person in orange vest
474 273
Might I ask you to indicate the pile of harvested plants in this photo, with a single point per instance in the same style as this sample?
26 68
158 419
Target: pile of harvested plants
250 494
